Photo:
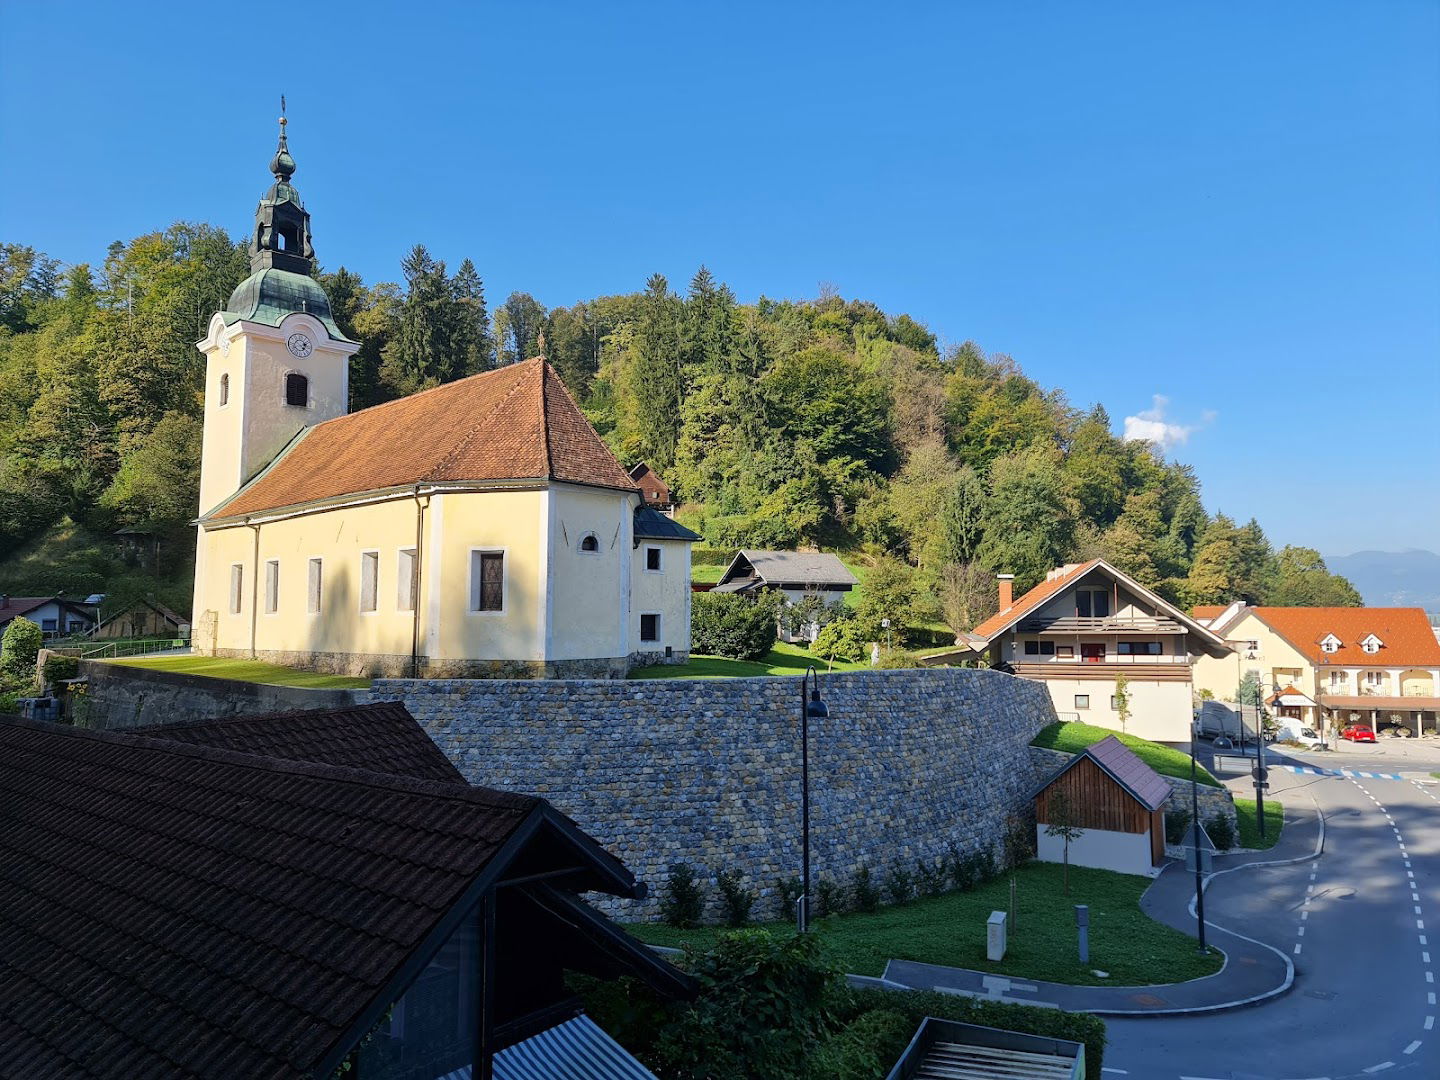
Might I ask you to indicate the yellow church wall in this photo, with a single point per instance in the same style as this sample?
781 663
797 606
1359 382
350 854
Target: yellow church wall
221 439
588 615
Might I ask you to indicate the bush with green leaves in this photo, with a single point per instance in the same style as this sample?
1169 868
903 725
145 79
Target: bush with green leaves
787 891
865 1048
19 646
731 625
1222 830
931 877
899 885
736 898
840 639
684 901
864 896
896 658
831 897
1177 826
57 668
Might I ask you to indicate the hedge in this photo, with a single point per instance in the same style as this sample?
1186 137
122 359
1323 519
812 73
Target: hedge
711 556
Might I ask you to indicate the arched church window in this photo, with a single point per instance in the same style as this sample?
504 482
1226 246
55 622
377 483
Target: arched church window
589 543
225 389
297 389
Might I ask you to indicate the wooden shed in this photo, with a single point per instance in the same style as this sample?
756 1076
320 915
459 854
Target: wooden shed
1116 799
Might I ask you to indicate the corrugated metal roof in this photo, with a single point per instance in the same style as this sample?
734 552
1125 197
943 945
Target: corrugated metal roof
578 1049
954 1061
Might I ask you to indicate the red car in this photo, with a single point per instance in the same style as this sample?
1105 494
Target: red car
1358 733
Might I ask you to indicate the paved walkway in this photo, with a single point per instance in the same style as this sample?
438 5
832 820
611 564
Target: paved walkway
1252 973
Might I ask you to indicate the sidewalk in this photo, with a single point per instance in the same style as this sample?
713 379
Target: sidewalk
1253 971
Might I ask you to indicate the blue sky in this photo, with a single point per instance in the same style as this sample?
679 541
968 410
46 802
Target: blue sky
1235 207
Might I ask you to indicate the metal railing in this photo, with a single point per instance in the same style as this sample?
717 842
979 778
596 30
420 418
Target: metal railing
113 650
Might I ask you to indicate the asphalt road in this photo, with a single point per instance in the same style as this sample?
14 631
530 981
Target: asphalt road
1361 923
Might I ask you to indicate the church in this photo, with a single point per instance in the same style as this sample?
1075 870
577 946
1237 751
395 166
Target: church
477 529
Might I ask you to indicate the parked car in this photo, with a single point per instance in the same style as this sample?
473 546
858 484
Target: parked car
1358 733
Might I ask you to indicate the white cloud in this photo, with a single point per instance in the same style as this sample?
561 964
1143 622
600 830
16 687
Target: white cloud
1151 426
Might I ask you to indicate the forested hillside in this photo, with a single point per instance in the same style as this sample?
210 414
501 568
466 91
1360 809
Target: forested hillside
823 422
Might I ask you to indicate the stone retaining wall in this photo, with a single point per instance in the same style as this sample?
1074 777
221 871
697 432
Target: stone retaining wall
907 766
118 696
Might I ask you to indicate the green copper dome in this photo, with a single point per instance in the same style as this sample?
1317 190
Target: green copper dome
268 295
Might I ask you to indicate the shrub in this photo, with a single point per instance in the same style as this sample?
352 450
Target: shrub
787 891
684 898
839 639
831 897
864 896
737 899
864 1048
762 1009
711 556
1177 825
1019 839
731 625
1222 830
899 885
931 876
896 658
59 667
19 646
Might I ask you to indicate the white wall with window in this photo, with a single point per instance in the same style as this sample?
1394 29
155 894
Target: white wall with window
369 582
314 585
405 568
272 586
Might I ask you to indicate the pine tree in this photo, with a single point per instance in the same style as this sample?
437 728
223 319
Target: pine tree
655 376
474 350
421 355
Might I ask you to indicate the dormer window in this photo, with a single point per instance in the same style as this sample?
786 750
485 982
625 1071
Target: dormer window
297 389
1371 644
1329 643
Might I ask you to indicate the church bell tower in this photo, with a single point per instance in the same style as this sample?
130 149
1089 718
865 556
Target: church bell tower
275 362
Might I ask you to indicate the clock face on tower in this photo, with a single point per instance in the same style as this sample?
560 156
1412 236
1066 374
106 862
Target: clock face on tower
299 345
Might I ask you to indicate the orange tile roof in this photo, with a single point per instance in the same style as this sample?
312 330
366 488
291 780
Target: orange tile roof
514 423
1207 611
1404 632
1030 601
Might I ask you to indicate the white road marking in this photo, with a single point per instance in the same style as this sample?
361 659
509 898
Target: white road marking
1431 996
1423 941
1300 932
1304 914
1297 949
1413 1047
1430 976
1429 1023
1419 924
1380 1068
1120 1072
1424 957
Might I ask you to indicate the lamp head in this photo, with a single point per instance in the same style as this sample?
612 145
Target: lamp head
816 707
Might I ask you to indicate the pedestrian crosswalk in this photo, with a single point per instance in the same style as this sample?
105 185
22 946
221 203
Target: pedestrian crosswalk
1348 774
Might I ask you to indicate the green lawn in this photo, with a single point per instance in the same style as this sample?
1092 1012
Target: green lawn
1167 761
246 671
1133 948
783 659
707 575
1247 814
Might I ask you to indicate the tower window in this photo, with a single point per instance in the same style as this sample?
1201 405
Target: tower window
297 389
225 389
590 543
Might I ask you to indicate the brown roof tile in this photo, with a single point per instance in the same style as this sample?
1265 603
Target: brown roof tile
175 909
1405 633
1031 600
517 422
382 737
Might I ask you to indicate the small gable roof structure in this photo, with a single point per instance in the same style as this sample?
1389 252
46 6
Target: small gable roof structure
1065 577
786 570
1124 766
174 908
648 481
650 524
382 737
515 423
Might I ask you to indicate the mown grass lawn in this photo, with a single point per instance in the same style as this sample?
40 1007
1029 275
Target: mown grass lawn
1132 948
1166 760
254 671
783 659
1247 816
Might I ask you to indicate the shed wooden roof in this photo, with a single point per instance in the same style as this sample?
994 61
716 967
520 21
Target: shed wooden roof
1123 765
517 422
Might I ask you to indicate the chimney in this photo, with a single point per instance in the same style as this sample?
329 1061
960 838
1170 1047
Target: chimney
1007 591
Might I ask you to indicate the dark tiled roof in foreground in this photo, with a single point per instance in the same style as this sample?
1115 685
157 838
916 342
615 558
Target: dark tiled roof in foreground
383 737
650 524
170 910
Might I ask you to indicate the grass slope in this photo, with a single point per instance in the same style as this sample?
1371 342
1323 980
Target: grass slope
245 671
1132 948
1247 815
783 659
1166 760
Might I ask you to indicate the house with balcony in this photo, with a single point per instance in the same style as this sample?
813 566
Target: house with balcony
1112 652
1330 667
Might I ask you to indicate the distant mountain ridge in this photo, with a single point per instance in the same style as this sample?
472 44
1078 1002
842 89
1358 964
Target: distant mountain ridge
1392 578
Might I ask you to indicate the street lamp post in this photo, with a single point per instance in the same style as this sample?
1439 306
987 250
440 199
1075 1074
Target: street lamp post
1261 776
1199 874
810 705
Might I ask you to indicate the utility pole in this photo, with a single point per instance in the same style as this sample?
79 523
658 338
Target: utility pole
1261 776
1199 877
